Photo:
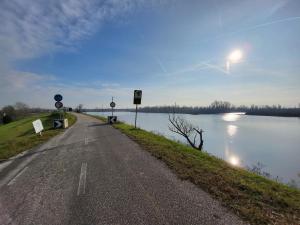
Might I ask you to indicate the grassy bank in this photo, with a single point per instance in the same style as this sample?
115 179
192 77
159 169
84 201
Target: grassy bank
253 197
19 135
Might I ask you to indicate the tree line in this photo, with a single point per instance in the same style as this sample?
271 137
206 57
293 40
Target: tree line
226 107
17 111
215 108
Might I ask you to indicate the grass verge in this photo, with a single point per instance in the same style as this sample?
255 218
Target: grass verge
19 135
254 198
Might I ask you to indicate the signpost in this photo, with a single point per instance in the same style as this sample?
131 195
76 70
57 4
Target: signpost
112 119
38 126
112 105
58 105
58 97
57 123
137 99
61 122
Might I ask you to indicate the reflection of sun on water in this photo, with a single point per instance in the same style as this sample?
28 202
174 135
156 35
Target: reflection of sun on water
230 117
231 130
231 157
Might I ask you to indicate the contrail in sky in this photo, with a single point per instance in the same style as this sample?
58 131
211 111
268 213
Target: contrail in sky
215 67
269 23
258 26
207 64
161 65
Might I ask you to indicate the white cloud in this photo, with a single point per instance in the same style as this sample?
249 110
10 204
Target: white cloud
32 28
38 90
14 80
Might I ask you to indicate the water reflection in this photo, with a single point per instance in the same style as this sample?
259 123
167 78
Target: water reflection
231 157
231 130
230 117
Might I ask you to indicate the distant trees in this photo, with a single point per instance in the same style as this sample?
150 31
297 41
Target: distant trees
8 114
191 133
79 108
225 107
214 108
220 106
19 110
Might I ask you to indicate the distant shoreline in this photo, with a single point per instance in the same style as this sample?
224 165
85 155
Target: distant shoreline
245 113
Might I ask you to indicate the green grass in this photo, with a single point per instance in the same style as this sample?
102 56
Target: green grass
254 198
19 135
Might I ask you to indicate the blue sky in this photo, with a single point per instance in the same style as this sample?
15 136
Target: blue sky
175 51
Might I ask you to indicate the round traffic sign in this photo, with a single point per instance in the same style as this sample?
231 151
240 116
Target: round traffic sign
58 105
112 104
58 97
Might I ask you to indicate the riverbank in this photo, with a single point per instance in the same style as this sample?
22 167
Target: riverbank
295 113
254 198
18 136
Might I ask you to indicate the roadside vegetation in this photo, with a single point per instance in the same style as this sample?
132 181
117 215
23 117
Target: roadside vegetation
18 136
254 198
19 110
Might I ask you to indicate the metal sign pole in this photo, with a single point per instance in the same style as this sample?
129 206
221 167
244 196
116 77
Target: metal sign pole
136 106
137 97
112 108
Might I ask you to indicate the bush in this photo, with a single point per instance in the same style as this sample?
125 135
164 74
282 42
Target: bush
7 119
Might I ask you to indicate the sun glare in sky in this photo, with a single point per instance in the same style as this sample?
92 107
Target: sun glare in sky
234 57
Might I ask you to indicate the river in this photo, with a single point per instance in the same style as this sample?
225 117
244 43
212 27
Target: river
241 140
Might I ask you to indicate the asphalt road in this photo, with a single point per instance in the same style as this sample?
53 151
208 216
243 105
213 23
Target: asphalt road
93 174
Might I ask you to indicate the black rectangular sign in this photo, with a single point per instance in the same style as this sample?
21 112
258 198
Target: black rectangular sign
137 99
111 119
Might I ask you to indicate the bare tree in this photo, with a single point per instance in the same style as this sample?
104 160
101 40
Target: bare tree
21 109
79 108
187 130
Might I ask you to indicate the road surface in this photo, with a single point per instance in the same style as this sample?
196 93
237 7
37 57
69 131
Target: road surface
94 174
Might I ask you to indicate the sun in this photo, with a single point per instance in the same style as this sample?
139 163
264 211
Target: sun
235 56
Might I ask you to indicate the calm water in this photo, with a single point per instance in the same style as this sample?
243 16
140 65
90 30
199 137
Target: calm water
239 139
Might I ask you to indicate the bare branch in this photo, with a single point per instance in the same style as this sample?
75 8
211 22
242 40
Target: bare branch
182 127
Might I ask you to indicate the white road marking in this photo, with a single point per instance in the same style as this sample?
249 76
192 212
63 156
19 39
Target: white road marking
16 177
86 141
82 179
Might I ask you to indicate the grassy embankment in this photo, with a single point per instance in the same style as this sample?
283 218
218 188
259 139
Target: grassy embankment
254 198
19 135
